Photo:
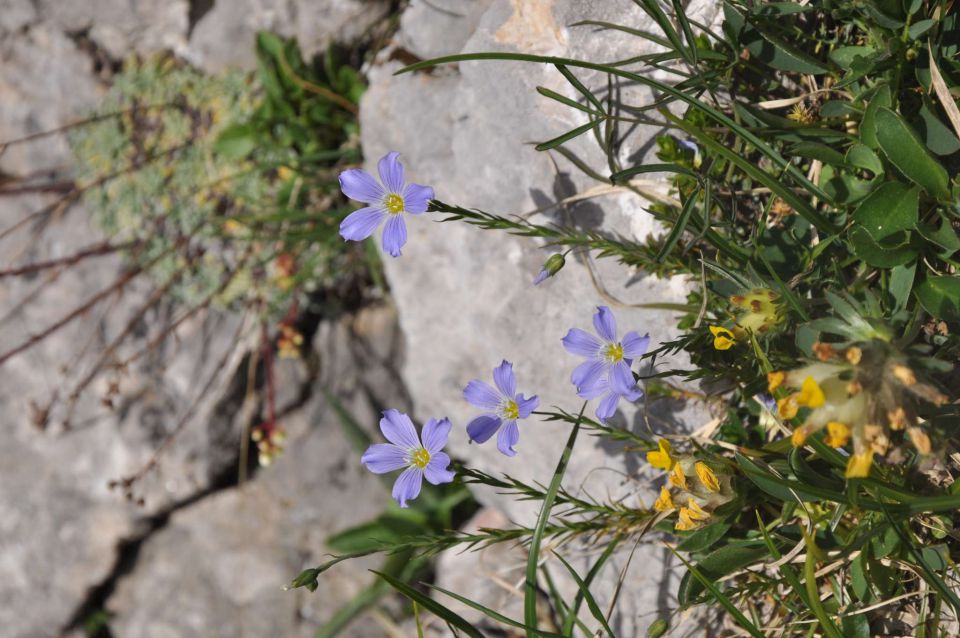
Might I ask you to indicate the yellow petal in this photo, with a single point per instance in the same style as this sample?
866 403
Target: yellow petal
859 465
799 436
665 502
678 478
837 434
774 381
661 458
696 512
723 339
810 395
684 522
707 477
787 407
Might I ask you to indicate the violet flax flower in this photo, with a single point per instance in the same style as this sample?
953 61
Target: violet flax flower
505 407
606 371
389 201
405 450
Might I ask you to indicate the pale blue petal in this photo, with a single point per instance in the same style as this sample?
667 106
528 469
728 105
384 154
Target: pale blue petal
504 378
361 223
622 381
590 392
508 437
381 458
481 395
416 198
635 346
436 471
360 185
391 172
435 434
541 277
589 372
582 343
608 407
634 395
398 429
408 485
526 406
605 324
483 427
394 235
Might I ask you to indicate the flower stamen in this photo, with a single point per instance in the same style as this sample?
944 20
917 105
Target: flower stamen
510 410
614 353
394 204
420 458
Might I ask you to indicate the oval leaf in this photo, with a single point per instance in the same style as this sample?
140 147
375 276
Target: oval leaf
888 210
904 149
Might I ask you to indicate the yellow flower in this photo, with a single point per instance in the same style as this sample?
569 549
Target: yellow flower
723 339
837 434
859 465
684 522
707 477
665 502
810 395
661 458
696 513
678 478
690 516
799 436
787 407
774 381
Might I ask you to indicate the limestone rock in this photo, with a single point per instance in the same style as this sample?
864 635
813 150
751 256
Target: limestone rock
465 296
224 37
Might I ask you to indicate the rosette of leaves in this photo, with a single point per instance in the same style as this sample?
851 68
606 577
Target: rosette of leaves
225 183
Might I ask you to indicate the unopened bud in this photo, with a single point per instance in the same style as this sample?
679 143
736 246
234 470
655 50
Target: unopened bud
551 267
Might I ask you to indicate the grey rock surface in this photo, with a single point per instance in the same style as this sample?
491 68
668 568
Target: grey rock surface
224 36
465 296
218 567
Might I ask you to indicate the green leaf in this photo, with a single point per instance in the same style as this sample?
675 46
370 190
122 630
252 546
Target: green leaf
945 236
719 563
566 137
881 256
901 283
890 209
770 49
844 57
236 142
384 530
703 538
906 151
918 29
817 151
868 126
494 614
940 296
862 156
435 608
584 589
533 560
938 137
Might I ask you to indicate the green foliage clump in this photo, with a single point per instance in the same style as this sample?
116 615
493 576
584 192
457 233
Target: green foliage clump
225 184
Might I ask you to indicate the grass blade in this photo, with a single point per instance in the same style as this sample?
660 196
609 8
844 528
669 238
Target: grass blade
495 615
566 137
435 608
587 596
530 586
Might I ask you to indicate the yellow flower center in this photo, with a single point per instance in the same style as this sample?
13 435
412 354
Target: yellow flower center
420 458
510 410
614 352
393 203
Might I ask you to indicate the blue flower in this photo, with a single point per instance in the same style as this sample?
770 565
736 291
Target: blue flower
505 405
406 451
389 202
552 266
606 371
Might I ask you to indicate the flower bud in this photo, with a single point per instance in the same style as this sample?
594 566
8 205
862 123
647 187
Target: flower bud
552 266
